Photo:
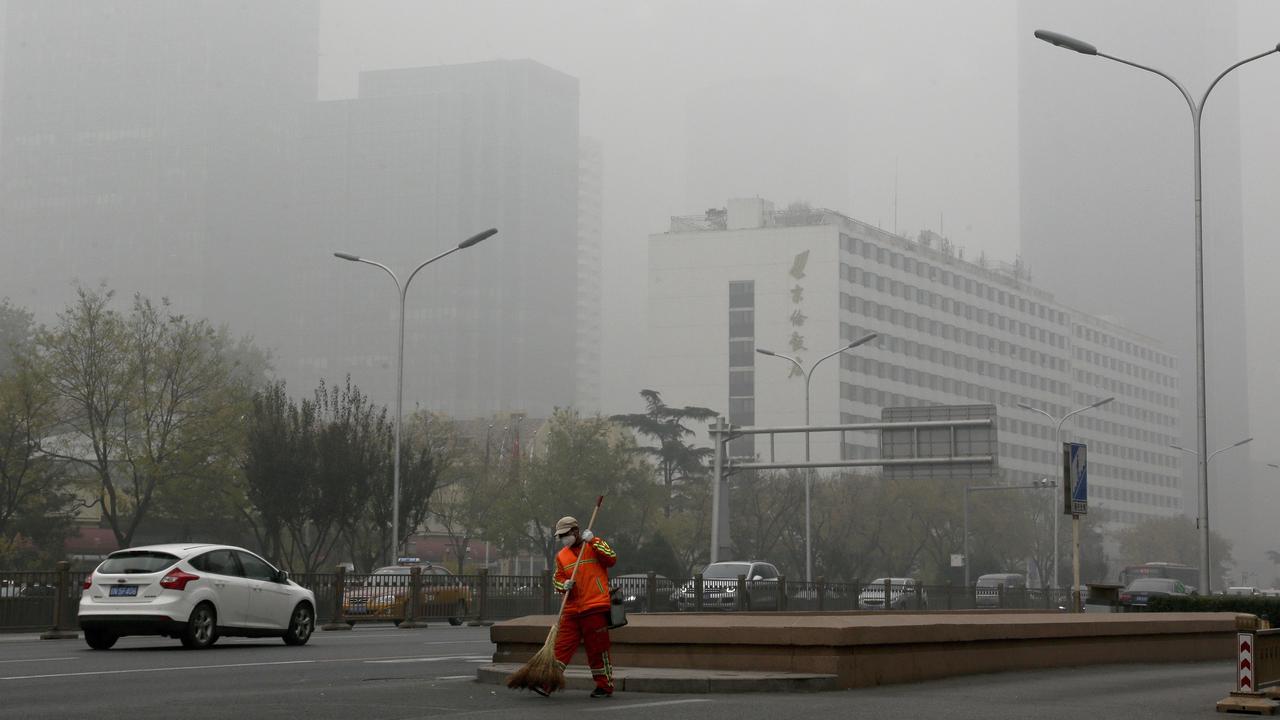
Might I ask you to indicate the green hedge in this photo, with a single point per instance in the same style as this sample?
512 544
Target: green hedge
1267 608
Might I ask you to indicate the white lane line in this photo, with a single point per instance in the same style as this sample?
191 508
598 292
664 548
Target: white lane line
457 677
468 658
648 704
159 669
38 660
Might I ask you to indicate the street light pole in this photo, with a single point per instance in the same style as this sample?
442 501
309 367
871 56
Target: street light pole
403 290
1197 111
808 478
1075 519
1205 557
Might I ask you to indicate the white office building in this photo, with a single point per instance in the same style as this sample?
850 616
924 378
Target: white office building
804 282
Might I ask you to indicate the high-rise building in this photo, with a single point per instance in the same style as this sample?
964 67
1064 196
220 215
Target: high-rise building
952 331
422 159
1107 217
138 143
590 269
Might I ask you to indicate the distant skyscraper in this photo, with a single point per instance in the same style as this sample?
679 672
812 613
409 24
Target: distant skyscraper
420 160
590 268
1106 197
139 139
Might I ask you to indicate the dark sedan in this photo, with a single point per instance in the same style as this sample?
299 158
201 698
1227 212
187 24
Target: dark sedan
1141 591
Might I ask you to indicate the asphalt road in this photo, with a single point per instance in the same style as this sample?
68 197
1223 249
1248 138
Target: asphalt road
380 672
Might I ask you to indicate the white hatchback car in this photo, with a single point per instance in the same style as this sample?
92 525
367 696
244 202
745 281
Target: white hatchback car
194 592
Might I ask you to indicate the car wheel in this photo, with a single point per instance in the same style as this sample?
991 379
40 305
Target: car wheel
301 625
100 639
397 622
201 630
351 623
459 614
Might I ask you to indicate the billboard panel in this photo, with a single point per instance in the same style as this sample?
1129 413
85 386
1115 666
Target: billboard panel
940 442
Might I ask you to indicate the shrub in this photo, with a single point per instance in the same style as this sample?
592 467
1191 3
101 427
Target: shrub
1267 608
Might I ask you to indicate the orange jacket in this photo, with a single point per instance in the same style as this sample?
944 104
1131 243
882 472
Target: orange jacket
590 591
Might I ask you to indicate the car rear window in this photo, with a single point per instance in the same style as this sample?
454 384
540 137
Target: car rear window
1159 584
136 562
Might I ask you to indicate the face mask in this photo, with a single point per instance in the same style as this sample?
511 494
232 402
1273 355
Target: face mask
567 541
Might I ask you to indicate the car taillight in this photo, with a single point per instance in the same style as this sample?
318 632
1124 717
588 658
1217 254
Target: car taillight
1125 597
88 583
177 579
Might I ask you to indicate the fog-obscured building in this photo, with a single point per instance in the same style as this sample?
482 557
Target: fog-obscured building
953 331
590 270
140 144
421 159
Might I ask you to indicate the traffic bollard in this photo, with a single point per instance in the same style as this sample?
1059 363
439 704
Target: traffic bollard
482 603
414 609
339 620
59 631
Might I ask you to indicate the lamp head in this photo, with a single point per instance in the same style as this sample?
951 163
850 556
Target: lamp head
864 339
770 353
477 238
1103 401
1243 442
347 256
1066 41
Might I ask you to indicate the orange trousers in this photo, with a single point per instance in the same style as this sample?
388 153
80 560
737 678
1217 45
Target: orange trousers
592 631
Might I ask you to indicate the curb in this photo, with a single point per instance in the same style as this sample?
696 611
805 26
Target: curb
679 680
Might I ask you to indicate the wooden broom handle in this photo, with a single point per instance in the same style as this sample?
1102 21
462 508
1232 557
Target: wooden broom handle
573 575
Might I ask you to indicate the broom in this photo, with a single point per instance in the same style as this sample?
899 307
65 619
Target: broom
542 671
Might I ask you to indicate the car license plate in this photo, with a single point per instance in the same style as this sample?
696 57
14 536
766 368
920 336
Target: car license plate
123 591
357 610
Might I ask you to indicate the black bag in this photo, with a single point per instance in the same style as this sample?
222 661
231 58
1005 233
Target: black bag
617 611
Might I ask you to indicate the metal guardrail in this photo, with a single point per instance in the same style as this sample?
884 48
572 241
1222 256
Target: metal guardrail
28 599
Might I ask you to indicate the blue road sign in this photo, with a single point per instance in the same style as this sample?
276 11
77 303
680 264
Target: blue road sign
1076 471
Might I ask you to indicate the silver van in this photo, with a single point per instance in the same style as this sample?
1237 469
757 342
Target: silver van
987 590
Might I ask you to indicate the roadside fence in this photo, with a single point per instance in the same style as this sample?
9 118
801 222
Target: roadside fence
28 600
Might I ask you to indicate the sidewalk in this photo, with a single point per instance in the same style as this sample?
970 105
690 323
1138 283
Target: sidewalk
678 680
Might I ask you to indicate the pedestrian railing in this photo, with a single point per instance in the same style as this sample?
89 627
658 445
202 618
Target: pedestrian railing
28 599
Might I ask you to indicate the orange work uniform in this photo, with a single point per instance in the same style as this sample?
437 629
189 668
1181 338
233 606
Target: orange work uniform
586 610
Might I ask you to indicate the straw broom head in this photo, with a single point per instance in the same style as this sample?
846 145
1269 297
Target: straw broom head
543 671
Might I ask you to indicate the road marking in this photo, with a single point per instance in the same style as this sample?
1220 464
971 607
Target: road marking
39 660
469 658
648 704
160 669
457 677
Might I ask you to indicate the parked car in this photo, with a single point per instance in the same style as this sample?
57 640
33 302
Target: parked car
1247 591
635 591
986 591
902 595
385 595
1140 591
720 587
193 592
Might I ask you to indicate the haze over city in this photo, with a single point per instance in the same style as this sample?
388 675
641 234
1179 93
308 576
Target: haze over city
226 178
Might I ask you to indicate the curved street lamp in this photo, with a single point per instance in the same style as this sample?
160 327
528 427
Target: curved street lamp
1204 509
808 480
1197 110
403 291
1075 519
